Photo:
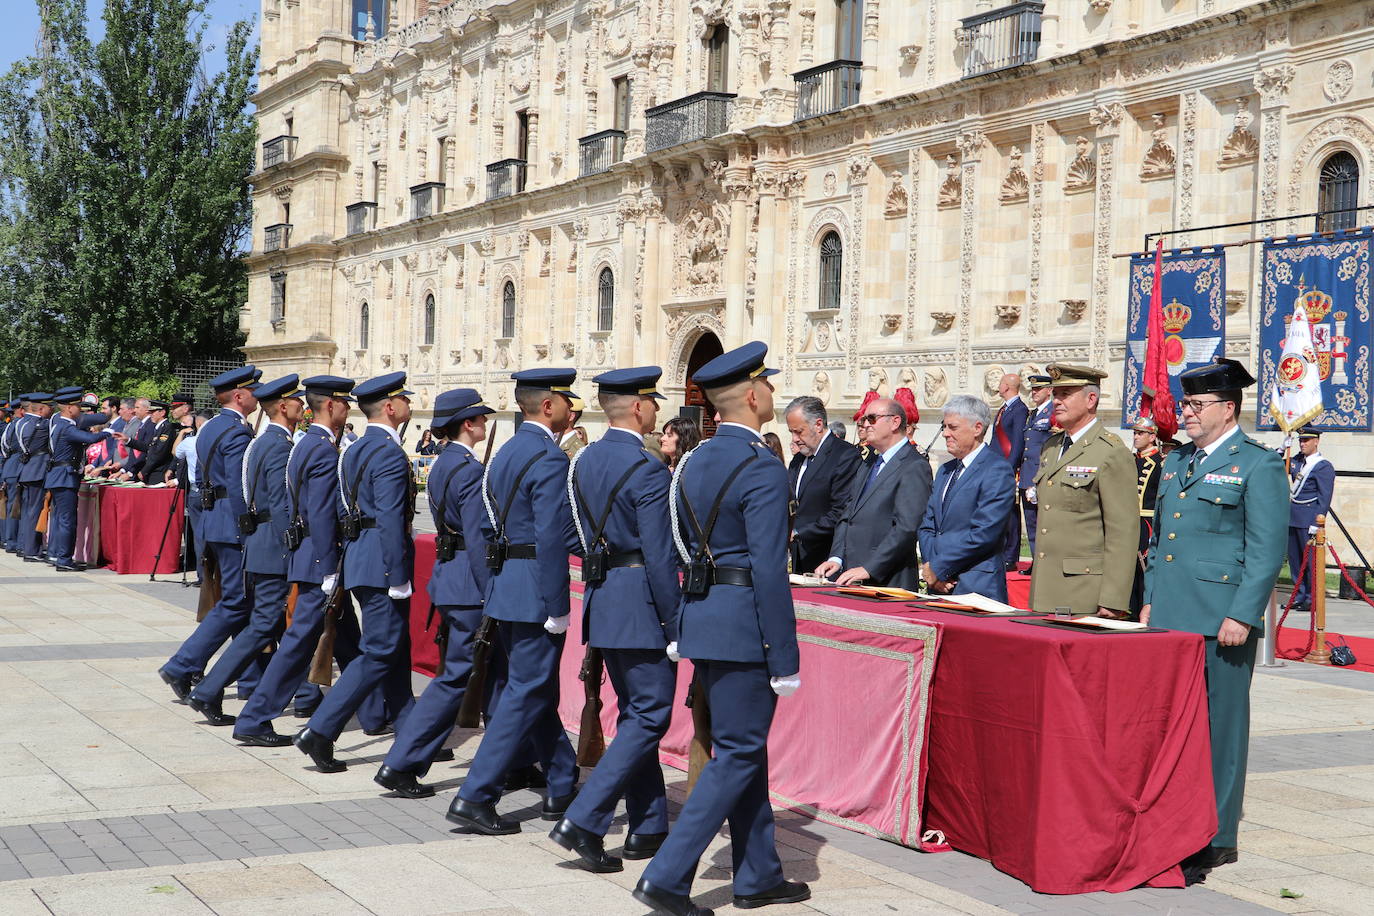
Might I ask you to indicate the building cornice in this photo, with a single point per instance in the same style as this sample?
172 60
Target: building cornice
307 77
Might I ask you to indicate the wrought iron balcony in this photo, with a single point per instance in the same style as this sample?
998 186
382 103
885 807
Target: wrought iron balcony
278 150
362 217
426 199
275 238
505 178
1002 38
601 150
827 88
693 117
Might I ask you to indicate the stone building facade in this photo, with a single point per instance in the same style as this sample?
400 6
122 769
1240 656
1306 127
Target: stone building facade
918 194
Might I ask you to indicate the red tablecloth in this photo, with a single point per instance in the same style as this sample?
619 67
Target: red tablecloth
132 523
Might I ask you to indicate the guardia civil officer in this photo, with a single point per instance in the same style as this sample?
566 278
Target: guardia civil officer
220 446
529 526
1215 554
67 445
33 471
311 491
618 491
376 508
263 527
456 589
738 628
9 473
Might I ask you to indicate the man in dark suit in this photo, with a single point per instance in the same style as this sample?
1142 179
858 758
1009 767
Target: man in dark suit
1039 428
1009 437
875 540
141 438
961 532
820 477
1313 480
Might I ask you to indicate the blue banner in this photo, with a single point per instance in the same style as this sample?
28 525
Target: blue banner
1329 276
1194 297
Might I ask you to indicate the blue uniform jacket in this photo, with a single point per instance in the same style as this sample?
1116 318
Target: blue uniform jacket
455 502
636 606
220 445
264 474
312 491
528 591
9 449
68 448
964 541
734 623
1314 497
1038 432
383 556
1012 419
33 449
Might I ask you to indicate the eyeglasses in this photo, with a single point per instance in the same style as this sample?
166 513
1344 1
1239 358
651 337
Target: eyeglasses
869 419
1197 406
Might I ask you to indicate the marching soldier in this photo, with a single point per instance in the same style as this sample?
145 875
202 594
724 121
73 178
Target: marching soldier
1148 461
9 448
618 492
67 445
456 589
1313 482
33 470
376 565
738 628
1039 428
1085 552
1215 554
529 531
263 527
220 446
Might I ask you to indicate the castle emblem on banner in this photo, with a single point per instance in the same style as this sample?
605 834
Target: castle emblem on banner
1329 340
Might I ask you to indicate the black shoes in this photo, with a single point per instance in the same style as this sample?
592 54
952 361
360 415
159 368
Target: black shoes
642 845
786 892
264 739
301 712
212 711
70 567
590 848
480 818
662 901
402 783
525 778
387 729
181 686
445 755
319 749
1210 857
555 806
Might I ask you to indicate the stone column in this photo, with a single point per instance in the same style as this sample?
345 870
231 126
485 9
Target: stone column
766 261
855 255
971 143
627 216
651 312
1273 84
1107 118
738 188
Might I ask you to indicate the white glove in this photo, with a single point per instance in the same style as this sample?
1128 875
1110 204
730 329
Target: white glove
399 591
785 686
1311 529
557 625
673 655
1030 495
329 582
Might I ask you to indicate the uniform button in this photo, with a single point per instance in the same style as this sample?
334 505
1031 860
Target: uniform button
1171 535
1225 577
1181 494
1218 499
1178 515
766 646
1168 558
1044 531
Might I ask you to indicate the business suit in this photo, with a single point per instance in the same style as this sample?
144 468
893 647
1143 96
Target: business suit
826 480
1085 556
1215 553
1038 431
33 470
961 531
1009 438
139 445
877 529
1313 482
67 445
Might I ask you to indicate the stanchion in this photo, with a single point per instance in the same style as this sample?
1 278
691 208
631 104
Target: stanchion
1319 655
171 513
1269 642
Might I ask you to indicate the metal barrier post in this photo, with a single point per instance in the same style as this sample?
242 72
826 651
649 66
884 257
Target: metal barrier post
1269 642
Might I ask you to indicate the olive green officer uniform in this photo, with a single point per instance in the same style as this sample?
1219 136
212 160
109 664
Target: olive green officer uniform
1218 543
1085 549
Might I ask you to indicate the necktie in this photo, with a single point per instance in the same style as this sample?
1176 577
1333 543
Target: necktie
1199 456
872 475
953 479
1065 445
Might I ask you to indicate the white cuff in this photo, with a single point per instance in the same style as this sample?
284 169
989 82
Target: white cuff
1311 529
557 625
785 686
1030 495
329 582
399 591
673 655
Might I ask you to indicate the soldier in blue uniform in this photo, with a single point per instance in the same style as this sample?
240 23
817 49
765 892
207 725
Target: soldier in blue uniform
1313 481
456 589
67 445
9 473
220 446
529 526
738 628
263 527
376 507
33 471
1039 428
618 491
1215 554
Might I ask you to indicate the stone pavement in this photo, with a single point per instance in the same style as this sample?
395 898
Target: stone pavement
114 799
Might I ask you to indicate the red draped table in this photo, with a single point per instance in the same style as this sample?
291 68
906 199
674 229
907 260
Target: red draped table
133 521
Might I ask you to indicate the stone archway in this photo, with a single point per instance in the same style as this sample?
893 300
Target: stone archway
706 348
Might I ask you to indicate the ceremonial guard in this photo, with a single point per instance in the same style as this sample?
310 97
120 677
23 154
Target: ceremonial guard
1039 428
376 565
456 589
67 445
1085 552
263 527
1313 481
619 496
729 502
1148 462
9 473
220 446
1215 554
529 530
157 461
33 471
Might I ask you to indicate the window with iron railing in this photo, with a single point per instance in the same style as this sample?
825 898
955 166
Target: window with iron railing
695 117
277 237
1338 188
605 299
278 150
1006 37
362 217
278 314
426 199
364 326
429 320
827 88
599 151
505 178
508 310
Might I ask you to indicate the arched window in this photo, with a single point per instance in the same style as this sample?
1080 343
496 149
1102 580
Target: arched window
508 309
364 330
832 268
1338 188
429 320
605 299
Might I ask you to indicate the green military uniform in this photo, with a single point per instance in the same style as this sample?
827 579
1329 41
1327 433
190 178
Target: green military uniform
1218 544
1085 549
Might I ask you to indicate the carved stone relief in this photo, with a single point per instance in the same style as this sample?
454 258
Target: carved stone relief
951 189
936 388
1240 144
1160 157
1016 186
1340 79
896 202
1082 173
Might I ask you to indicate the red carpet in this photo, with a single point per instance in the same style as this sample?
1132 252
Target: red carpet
1295 638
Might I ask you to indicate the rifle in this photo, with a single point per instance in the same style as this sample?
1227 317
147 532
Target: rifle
440 639
322 664
470 713
211 588
591 740
699 751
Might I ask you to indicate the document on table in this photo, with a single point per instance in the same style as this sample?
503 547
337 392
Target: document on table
985 604
1107 624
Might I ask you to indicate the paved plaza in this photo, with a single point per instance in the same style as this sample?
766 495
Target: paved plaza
114 799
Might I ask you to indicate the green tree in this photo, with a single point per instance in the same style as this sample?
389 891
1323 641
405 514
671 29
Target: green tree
124 195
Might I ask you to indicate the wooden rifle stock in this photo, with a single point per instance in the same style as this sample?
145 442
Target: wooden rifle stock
699 752
470 713
591 740
210 587
322 664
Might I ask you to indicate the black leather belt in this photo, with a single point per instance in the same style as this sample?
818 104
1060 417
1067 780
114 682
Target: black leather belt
220 492
731 575
520 552
628 558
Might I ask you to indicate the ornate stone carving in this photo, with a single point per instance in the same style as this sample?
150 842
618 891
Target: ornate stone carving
892 322
455 357
701 238
1016 186
1340 79
858 168
1240 144
1107 116
992 381
943 320
568 350
896 202
951 189
971 143
1159 158
1008 314
1082 173
502 357
520 75
560 70
1100 6
829 184
1273 84
541 351
911 55
618 37
820 386
935 387
1074 309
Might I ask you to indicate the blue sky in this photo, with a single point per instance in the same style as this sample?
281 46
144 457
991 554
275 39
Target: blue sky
21 26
